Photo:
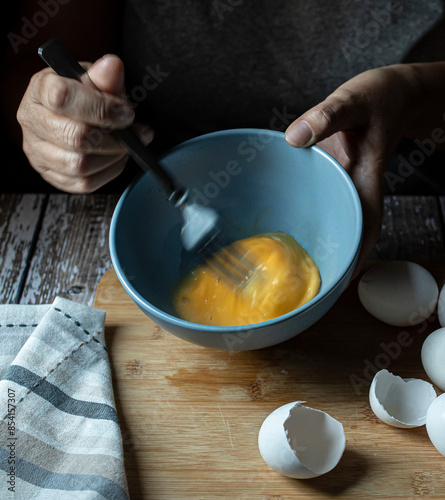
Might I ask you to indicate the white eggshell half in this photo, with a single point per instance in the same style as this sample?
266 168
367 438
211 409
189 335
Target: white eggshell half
435 423
400 293
301 442
433 357
441 306
400 402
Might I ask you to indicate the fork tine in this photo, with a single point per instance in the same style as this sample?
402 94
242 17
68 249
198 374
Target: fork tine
220 271
237 262
230 269
229 263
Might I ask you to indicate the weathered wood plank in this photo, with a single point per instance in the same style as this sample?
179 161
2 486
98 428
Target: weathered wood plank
19 221
412 229
72 253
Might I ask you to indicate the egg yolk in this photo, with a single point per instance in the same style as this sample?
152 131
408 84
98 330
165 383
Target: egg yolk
285 277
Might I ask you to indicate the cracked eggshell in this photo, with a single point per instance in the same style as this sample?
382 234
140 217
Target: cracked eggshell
435 423
400 402
433 357
301 442
400 293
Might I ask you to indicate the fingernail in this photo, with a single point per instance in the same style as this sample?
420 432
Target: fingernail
146 136
124 114
300 135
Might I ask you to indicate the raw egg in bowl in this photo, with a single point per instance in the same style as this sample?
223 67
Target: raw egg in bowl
260 185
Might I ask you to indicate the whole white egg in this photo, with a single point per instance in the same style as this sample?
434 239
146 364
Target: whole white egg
400 293
435 423
433 357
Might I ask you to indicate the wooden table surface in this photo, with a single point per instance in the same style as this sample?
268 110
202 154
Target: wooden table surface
57 244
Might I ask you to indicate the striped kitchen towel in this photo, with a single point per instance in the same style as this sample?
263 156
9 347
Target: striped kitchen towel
59 432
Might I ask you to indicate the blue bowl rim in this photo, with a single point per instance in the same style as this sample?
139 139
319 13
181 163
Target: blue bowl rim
169 318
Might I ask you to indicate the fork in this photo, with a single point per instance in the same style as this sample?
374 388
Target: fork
202 232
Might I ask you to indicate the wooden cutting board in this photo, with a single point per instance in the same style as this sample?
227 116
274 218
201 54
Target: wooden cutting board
190 416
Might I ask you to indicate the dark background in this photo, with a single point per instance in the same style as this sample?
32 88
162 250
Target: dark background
17 176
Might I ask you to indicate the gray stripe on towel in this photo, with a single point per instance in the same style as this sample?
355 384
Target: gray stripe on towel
66 482
41 453
58 398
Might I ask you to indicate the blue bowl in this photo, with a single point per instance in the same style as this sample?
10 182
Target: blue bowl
258 183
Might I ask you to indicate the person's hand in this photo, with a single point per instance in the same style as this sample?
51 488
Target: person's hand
360 125
66 126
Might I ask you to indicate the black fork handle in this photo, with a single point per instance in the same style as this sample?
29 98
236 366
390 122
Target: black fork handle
57 57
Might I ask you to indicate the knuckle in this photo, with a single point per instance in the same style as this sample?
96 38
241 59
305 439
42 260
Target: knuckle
35 80
46 176
77 164
353 99
33 151
67 184
84 185
325 114
27 148
105 111
21 116
35 86
345 95
74 135
27 119
340 100
101 111
25 114
57 91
